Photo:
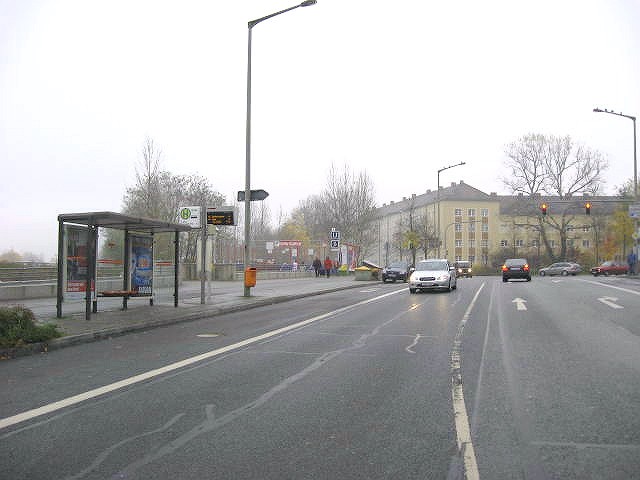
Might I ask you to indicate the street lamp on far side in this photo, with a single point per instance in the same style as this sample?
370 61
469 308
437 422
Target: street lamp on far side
247 183
438 200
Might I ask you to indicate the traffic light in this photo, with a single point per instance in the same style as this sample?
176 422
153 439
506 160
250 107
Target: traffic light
587 208
543 208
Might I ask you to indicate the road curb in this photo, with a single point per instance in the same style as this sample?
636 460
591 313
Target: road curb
70 340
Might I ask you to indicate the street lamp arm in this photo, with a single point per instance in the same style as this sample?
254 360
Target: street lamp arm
306 3
599 110
451 166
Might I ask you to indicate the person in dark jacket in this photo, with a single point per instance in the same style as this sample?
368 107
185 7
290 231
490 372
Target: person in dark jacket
317 265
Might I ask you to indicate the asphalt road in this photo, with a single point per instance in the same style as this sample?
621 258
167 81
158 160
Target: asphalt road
349 385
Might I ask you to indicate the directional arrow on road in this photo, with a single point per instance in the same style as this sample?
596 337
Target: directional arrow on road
520 303
609 301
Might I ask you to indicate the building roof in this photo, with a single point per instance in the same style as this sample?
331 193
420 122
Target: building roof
455 192
509 204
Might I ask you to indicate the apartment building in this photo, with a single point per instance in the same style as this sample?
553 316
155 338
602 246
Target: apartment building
473 225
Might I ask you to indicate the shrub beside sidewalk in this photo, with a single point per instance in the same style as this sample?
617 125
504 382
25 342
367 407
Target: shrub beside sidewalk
18 328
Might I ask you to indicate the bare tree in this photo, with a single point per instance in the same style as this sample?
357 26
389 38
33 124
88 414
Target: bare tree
158 194
554 166
526 164
348 204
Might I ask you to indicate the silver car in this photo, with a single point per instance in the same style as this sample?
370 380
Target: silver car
434 274
560 268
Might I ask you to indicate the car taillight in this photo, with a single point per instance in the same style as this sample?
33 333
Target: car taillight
504 268
526 267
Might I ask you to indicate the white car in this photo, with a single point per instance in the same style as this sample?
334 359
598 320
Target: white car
433 274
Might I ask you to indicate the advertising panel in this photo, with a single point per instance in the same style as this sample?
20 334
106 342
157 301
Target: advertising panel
141 265
77 266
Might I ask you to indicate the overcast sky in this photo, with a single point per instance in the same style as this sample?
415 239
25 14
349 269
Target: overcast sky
399 89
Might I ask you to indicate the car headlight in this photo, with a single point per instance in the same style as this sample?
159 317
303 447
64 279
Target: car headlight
444 276
459 270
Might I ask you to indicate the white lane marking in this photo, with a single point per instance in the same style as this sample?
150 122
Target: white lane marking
520 303
369 290
208 335
461 418
415 342
96 392
609 301
622 289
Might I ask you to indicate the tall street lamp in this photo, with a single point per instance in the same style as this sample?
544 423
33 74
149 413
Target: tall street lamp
247 182
438 200
635 161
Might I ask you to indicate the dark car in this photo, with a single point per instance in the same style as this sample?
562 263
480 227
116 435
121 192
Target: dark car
463 269
610 268
560 268
516 268
396 271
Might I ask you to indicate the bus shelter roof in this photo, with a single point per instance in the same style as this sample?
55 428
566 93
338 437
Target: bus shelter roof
122 222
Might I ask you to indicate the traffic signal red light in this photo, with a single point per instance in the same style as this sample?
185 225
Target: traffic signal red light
543 208
587 208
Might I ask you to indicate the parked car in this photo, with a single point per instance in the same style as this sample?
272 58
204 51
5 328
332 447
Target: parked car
560 268
434 274
463 269
396 271
516 268
610 268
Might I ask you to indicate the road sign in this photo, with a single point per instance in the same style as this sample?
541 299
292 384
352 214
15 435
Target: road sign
334 234
221 216
335 245
255 195
189 216
634 210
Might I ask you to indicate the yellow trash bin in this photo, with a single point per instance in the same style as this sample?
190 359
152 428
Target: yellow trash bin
250 277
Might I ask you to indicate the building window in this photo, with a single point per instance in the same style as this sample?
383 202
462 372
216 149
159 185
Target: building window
504 243
485 259
570 242
472 258
552 243
534 243
586 228
458 258
585 243
520 243
472 244
458 212
484 227
472 227
471 212
484 212
484 243
458 243
458 227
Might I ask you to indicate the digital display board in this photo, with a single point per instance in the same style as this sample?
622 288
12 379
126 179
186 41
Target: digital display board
220 217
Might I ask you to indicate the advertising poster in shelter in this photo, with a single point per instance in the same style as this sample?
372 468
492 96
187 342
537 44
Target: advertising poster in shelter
141 265
77 265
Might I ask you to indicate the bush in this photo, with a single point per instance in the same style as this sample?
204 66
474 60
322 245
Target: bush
18 327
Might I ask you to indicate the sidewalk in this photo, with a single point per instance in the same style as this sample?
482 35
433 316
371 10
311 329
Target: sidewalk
220 297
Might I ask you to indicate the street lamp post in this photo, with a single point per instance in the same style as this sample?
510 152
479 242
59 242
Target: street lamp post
635 159
247 182
438 200
635 162
447 229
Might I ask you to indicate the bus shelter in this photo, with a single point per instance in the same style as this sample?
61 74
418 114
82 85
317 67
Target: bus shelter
77 266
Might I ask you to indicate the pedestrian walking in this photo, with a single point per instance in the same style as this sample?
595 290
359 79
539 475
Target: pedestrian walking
632 259
317 265
327 266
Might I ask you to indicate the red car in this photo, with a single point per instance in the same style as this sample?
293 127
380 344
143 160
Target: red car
610 268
